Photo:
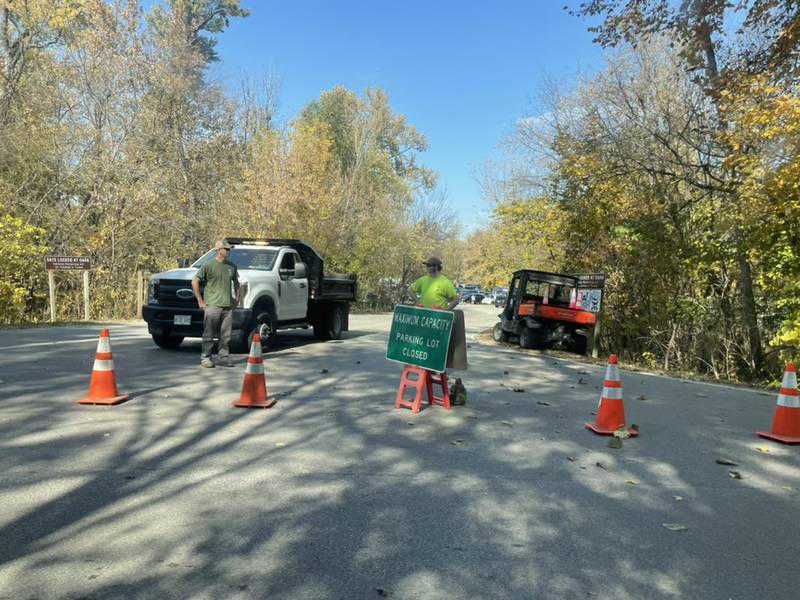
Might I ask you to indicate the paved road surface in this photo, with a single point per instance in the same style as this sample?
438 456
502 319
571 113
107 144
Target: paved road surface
335 494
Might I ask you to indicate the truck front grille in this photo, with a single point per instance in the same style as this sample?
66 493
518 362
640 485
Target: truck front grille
175 292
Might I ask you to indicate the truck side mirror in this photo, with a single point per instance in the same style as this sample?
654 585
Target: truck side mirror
300 270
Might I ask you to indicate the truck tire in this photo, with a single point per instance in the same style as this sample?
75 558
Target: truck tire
168 342
526 337
498 335
331 325
263 323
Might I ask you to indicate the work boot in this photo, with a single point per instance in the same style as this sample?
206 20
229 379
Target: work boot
225 362
207 363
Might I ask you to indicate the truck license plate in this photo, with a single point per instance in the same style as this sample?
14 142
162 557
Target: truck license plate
182 320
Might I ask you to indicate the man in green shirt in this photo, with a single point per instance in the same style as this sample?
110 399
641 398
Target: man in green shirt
217 303
434 289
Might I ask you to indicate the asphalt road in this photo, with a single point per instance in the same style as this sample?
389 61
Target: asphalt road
333 493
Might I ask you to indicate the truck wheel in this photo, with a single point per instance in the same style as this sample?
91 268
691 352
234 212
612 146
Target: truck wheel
168 342
264 325
498 335
526 338
330 328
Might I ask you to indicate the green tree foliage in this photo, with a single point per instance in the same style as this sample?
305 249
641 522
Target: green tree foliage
22 267
674 171
115 143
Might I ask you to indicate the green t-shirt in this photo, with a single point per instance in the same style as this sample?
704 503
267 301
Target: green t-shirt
218 277
435 292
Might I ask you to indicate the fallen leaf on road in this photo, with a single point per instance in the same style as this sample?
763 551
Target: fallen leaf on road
642 398
762 449
279 444
323 370
457 442
410 423
726 461
506 373
599 464
622 433
583 372
581 381
542 403
509 423
571 459
383 593
734 474
106 435
787 488
701 395
675 527
631 482
518 389
615 442
678 498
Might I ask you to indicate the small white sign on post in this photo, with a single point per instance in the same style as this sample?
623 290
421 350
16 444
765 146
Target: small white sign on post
67 263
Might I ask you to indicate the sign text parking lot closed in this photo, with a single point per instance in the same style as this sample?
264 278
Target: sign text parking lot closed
420 337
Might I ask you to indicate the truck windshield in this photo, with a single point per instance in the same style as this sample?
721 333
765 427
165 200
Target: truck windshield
258 259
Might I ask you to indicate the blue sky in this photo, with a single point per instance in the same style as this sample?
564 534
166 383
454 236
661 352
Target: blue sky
461 72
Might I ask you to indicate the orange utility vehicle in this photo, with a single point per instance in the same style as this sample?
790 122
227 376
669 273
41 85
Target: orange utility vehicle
544 309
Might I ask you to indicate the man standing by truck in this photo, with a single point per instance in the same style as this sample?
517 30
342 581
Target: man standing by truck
216 302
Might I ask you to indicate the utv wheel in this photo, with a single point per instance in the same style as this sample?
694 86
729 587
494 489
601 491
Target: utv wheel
168 342
526 337
498 335
581 344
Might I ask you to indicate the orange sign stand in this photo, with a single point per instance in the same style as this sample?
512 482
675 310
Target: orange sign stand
422 380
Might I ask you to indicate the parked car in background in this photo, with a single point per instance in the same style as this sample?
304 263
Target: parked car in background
473 297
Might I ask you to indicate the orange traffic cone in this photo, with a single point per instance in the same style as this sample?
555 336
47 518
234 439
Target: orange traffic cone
254 388
103 387
786 424
611 410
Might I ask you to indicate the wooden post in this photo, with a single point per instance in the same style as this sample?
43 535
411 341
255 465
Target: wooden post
139 293
51 284
596 337
86 295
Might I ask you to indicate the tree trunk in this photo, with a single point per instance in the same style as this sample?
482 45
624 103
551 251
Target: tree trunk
755 356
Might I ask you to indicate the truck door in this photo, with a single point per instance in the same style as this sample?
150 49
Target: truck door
292 291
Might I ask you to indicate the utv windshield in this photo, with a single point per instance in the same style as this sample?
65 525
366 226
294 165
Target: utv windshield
548 292
257 259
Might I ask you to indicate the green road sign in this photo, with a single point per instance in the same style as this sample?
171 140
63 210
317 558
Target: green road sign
420 337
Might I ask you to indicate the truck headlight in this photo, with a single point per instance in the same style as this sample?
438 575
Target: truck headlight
151 291
243 287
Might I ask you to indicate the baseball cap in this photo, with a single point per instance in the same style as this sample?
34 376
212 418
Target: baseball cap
222 244
433 261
